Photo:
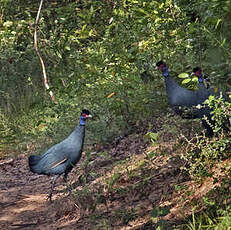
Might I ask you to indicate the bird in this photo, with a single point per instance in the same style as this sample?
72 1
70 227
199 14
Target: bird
62 157
197 71
205 83
180 98
203 80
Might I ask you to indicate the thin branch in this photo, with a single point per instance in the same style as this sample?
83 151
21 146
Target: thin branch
45 79
1 17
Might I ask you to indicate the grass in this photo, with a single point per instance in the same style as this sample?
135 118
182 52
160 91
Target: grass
137 183
150 189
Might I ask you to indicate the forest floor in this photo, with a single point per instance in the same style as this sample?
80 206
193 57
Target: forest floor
130 185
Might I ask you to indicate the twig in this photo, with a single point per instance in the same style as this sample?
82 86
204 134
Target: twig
45 80
23 225
9 161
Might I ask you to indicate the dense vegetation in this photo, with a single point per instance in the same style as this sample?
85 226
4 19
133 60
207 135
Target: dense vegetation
95 53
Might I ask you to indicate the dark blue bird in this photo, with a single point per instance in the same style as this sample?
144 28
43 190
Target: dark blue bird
62 157
180 98
203 81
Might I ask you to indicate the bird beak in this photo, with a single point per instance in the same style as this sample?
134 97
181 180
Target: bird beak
89 116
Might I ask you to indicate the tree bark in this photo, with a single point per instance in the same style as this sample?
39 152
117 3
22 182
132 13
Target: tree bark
45 79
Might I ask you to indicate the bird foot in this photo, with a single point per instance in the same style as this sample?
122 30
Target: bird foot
49 197
69 190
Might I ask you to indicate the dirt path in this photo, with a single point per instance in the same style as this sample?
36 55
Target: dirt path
23 203
123 196
129 186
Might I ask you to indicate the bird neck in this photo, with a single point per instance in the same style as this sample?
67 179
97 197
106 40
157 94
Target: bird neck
170 82
200 79
79 131
82 121
165 71
172 87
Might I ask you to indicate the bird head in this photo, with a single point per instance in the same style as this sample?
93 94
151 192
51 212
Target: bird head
161 65
85 114
197 71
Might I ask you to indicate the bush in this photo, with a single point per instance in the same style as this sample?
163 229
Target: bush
202 154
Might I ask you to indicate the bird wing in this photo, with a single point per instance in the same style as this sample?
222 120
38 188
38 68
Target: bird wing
59 163
60 156
56 155
180 96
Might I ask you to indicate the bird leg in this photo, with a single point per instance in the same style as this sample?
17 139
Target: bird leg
207 123
52 187
65 180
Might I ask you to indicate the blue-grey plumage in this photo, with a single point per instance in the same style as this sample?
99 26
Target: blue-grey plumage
204 84
62 157
180 97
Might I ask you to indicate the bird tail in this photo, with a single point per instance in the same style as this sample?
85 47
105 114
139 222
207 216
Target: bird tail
33 161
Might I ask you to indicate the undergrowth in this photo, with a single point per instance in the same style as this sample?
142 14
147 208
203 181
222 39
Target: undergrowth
140 180
208 162
158 189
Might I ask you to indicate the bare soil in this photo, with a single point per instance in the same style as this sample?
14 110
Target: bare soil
123 196
23 197
24 204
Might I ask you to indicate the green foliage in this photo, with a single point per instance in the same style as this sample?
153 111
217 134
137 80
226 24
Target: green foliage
151 136
221 113
112 180
210 220
224 222
197 223
94 52
159 211
189 81
203 154
207 158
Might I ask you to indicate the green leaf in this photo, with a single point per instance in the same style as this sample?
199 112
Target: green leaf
151 155
194 79
186 81
218 22
183 75
151 136
223 42
67 48
59 55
